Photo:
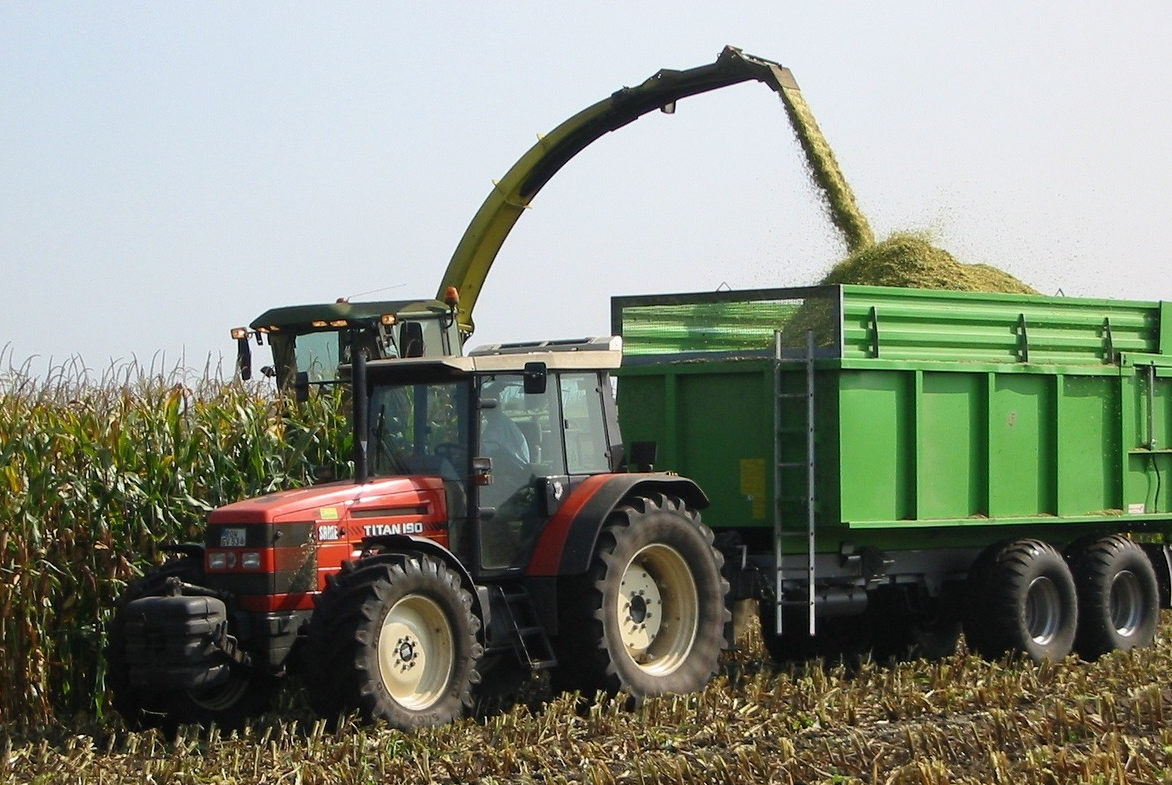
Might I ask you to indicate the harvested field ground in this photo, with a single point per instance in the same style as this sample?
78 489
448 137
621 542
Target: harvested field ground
961 720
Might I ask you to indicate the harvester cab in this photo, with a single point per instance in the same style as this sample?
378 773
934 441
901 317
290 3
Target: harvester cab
310 342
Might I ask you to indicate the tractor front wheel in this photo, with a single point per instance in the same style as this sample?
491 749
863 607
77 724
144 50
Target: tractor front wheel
394 638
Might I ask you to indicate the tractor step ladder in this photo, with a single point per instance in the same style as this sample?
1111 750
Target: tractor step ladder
781 532
531 643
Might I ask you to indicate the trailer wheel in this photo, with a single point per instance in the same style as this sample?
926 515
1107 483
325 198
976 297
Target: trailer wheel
230 705
1021 597
394 638
649 616
1118 598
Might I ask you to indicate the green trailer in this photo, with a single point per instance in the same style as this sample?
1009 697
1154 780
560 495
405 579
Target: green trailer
888 465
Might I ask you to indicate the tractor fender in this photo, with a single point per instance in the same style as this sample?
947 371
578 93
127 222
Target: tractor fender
567 542
406 543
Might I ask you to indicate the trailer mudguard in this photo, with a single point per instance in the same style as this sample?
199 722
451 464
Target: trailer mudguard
567 542
512 194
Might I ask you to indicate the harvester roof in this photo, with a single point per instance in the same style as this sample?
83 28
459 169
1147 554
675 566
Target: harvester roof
297 315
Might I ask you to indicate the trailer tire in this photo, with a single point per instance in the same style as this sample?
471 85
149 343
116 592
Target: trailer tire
379 620
1118 597
1021 598
649 616
229 706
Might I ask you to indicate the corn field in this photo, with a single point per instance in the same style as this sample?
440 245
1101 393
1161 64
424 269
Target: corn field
95 472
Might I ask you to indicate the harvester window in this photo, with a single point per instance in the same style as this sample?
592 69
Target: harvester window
317 355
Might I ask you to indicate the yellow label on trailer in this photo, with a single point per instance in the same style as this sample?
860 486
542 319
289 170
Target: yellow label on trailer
753 486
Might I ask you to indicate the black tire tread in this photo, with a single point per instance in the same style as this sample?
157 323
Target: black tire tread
586 663
345 617
1095 564
992 622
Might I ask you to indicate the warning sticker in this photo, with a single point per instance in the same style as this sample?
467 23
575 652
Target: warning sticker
328 513
1137 509
753 486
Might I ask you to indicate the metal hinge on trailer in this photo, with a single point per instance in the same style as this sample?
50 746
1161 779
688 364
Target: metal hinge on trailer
779 530
530 641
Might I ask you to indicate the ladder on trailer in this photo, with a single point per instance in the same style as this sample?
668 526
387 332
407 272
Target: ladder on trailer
781 532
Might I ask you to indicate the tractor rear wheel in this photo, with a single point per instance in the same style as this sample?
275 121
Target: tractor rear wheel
1118 597
229 705
1021 597
649 616
394 638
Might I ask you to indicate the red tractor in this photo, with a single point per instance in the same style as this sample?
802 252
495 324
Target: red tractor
492 530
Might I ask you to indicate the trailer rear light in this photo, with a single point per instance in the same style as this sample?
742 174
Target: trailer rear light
250 560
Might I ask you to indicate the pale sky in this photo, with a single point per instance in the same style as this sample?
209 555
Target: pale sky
170 170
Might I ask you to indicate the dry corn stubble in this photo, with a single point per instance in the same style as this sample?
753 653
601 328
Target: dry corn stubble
961 720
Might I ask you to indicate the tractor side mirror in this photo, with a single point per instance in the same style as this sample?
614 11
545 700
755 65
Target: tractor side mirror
643 455
243 358
535 376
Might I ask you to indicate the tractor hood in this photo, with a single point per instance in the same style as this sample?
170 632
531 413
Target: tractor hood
391 497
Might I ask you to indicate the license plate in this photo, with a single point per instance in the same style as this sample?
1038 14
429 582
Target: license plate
232 538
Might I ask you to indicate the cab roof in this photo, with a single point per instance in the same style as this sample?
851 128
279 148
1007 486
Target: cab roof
580 354
302 315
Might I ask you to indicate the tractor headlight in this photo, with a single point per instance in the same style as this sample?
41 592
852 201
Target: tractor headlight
217 560
250 560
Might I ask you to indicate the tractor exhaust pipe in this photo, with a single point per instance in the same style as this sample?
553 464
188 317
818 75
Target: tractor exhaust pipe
361 407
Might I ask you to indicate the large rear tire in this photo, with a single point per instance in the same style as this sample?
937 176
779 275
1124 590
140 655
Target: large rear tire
649 616
246 694
1021 598
1118 597
394 638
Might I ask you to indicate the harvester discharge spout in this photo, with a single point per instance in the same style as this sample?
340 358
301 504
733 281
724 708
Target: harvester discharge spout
510 195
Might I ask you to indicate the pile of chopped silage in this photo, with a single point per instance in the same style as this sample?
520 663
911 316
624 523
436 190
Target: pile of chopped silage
910 260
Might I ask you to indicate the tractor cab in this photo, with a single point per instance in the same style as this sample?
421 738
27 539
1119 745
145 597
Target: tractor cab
310 342
510 430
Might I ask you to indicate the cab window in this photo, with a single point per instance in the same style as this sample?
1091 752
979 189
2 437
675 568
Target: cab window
587 449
